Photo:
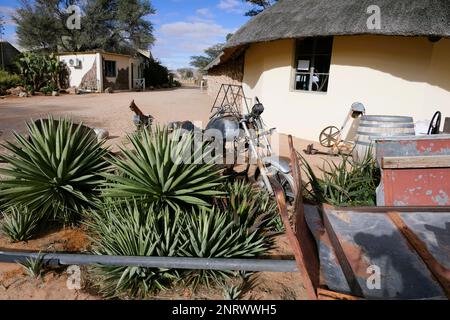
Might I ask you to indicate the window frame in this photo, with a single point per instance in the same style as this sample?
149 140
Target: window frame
297 54
108 68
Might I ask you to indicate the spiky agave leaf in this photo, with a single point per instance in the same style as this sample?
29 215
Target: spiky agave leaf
56 170
127 229
165 171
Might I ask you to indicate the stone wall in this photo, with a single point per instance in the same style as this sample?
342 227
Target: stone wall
231 72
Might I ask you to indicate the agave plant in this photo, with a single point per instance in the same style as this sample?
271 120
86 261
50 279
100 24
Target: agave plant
165 171
55 171
212 233
347 183
20 224
252 207
35 267
129 230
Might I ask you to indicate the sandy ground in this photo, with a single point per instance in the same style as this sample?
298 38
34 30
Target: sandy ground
111 112
16 284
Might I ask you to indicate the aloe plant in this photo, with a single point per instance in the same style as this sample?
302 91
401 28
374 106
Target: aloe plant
161 170
56 170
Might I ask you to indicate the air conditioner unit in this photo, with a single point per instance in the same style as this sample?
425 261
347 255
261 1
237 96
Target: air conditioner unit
75 63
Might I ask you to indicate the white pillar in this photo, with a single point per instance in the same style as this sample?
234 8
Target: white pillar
98 59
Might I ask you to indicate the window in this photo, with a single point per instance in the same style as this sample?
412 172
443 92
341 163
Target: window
110 69
312 64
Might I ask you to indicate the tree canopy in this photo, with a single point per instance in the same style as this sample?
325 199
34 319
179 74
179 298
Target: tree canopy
258 6
2 26
200 62
111 25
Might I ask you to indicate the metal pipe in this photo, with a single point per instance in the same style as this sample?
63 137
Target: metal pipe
257 265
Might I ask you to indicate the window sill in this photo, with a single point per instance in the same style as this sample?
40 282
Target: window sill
321 93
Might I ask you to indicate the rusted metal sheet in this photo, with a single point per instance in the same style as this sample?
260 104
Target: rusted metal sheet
371 241
331 272
410 176
297 247
429 233
302 232
413 146
417 187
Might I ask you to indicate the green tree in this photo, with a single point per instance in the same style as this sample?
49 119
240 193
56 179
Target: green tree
258 6
112 25
200 62
2 26
186 73
156 74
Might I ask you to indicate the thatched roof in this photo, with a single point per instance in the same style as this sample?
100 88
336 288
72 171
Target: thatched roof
9 54
306 18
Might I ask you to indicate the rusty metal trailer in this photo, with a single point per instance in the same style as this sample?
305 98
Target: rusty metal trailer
415 170
368 253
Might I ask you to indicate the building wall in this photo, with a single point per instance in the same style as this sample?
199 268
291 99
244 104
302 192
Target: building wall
389 75
77 75
231 72
123 80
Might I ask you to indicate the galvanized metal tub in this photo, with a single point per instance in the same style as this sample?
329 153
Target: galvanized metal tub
375 127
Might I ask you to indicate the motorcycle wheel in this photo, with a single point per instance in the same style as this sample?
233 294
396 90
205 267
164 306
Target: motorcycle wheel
284 179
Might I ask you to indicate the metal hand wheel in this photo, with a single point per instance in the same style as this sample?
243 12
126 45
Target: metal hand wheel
330 136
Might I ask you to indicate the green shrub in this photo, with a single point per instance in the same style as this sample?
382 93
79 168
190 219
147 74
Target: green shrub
156 74
161 170
48 90
20 224
39 71
348 183
8 81
55 171
130 230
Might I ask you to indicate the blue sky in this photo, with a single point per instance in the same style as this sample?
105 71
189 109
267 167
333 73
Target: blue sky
182 27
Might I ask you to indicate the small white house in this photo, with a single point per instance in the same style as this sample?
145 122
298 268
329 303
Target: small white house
96 71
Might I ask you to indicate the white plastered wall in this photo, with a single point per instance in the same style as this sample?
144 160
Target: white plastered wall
390 75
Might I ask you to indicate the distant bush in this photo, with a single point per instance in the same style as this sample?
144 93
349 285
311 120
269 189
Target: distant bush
156 74
8 81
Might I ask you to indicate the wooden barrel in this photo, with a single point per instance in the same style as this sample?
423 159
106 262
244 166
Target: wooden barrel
373 127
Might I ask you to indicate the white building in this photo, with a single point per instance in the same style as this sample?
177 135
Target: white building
95 70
